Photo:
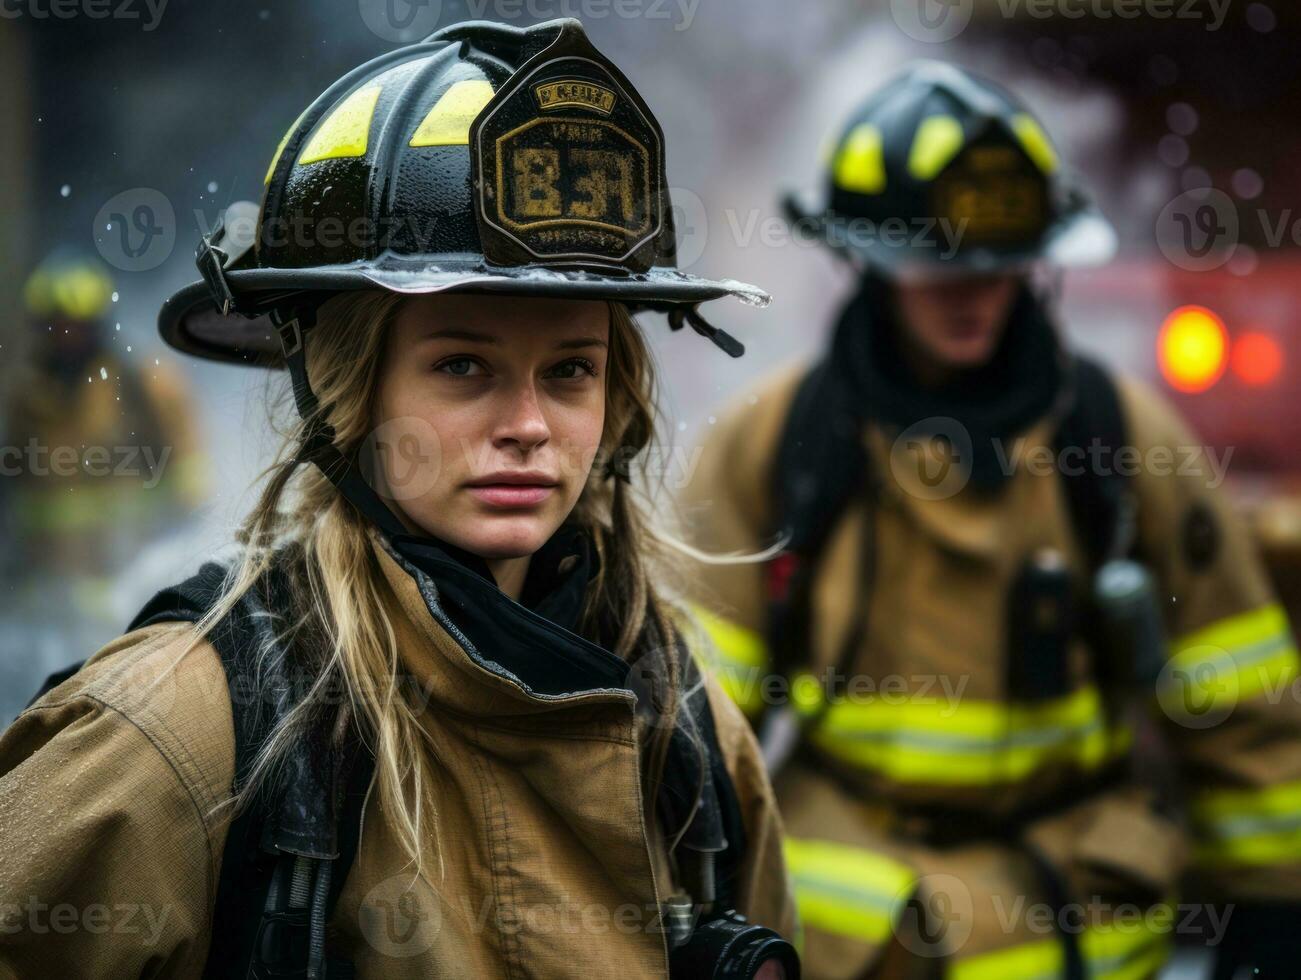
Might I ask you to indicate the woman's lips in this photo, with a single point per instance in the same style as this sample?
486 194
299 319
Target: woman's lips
507 495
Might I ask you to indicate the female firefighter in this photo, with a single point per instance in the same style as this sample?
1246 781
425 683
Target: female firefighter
437 720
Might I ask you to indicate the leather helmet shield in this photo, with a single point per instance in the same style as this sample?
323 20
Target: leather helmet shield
568 165
992 196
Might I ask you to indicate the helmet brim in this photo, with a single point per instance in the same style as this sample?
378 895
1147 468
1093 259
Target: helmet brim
191 322
1081 237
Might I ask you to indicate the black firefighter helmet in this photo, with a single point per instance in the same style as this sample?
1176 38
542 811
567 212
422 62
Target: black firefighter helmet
485 159
942 170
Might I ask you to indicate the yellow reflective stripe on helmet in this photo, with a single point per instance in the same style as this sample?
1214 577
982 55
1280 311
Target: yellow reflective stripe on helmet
1236 658
849 891
78 292
83 293
280 147
1111 951
448 122
737 657
1035 142
860 163
938 140
345 131
1248 826
960 741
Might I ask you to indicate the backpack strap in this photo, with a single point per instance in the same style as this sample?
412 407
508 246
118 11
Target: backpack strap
698 797
820 464
288 853
1098 494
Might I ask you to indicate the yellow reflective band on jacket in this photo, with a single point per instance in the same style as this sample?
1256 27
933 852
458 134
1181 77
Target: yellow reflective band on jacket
1248 826
848 891
1232 660
961 741
1114 951
737 657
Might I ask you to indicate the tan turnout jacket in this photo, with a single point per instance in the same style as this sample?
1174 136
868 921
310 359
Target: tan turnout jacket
930 723
545 861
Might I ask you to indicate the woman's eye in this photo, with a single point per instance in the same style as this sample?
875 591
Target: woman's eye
459 367
573 368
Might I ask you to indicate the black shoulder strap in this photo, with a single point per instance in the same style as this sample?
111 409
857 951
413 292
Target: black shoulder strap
301 834
700 797
820 464
1091 433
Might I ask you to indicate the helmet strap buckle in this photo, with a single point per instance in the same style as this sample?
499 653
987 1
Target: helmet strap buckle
211 262
291 336
724 341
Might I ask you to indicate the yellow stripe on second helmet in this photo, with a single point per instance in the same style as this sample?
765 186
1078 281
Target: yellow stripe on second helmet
938 140
1035 142
345 131
860 163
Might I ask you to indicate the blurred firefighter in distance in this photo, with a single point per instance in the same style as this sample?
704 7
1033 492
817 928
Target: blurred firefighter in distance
102 454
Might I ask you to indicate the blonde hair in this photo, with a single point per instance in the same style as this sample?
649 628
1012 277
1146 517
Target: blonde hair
303 522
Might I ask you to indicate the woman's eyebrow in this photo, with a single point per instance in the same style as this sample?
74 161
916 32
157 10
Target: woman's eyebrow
470 335
578 342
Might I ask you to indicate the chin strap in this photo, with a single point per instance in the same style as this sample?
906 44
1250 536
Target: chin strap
318 447
681 316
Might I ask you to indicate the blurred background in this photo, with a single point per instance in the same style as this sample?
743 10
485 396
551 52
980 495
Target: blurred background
129 126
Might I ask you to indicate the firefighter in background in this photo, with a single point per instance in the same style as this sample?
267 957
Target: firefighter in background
100 454
997 599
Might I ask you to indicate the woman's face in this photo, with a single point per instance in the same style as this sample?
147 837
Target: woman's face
489 416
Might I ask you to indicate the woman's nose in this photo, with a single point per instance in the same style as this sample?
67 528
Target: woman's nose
523 423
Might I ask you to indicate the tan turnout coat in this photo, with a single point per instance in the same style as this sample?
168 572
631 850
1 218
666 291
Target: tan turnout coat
931 723
545 861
